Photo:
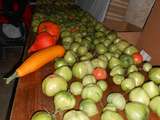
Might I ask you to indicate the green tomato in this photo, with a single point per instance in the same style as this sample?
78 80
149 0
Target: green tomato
89 107
151 89
67 39
53 84
64 72
147 67
114 62
117 70
100 48
99 63
116 54
117 40
96 41
98 26
88 38
76 88
89 66
65 34
64 101
78 39
107 42
111 115
112 35
109 107
132 68
59 63
70 57
101 39
79 70
117 79
137 77
85 43
82 50
103 57
77 35
74 46
155 105
102 84
136 111
130 50
84 33
127 84
139 95
122 45
66 45
42 115
99 34
154 75
109 55
93 92
89 55
75 115
83 58
126 60
88 79
117 99
112 48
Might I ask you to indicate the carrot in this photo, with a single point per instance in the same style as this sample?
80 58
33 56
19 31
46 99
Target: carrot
37 60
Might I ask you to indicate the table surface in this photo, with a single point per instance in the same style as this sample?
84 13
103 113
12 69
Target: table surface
29 97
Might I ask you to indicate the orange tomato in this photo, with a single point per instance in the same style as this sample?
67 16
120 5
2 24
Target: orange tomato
138 58
100 73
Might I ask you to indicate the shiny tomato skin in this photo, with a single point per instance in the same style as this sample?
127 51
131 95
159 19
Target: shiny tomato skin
42 40
100 73
50 27
138 58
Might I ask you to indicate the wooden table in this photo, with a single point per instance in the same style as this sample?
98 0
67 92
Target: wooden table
29 97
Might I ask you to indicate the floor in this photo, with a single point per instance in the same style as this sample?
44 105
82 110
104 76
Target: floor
7 64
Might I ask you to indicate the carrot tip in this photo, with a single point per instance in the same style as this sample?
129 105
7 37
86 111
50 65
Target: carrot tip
11 78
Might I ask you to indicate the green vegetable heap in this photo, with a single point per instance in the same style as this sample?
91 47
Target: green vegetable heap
94 56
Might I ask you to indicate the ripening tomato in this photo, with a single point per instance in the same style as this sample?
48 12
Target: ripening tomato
42 40
100 73
138 58
50 27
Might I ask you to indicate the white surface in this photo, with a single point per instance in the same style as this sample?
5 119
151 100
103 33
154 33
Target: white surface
146 56
11 31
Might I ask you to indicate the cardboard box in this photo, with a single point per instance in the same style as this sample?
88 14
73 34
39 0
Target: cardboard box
127 15
149 38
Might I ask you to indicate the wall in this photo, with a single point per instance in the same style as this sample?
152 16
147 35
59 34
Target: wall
150 37
138 11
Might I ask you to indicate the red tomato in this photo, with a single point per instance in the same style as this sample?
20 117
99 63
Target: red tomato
100 73
49 27
42 40
138 58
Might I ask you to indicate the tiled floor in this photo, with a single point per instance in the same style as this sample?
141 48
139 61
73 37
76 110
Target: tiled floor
6 91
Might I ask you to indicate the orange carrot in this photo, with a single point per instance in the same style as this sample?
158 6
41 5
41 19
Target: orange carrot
37 60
